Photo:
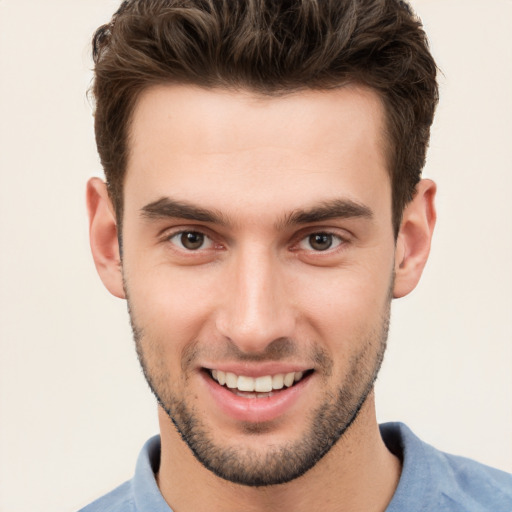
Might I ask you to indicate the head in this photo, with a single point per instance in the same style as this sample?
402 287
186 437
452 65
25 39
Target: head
269 48
263 160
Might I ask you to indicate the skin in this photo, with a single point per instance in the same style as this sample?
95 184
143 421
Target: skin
258 294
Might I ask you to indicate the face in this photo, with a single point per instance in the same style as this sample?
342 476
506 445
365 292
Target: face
258 257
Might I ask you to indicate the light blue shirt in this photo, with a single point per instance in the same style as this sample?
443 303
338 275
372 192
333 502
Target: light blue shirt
431 481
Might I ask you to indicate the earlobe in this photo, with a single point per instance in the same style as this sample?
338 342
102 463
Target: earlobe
103 237
414 238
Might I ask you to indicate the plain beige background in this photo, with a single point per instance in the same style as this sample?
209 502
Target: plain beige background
74 407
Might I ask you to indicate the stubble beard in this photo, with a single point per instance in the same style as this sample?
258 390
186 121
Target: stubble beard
278 464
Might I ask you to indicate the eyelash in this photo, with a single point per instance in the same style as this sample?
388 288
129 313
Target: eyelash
180 234
336 239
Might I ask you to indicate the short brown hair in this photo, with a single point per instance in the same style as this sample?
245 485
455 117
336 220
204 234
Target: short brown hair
270 47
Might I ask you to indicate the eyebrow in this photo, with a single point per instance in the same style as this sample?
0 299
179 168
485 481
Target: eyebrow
166 207
327 210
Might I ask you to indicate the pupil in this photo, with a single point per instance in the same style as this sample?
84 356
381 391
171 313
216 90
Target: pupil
192 240
320 241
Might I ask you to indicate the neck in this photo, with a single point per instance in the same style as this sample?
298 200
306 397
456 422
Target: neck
357 474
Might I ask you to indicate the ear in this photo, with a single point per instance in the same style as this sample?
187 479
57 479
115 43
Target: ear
103 237
414 237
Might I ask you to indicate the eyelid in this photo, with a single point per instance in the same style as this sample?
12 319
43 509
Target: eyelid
168 234
336 242
207 241
342 236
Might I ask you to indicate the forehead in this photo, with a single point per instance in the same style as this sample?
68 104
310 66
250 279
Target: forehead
235 149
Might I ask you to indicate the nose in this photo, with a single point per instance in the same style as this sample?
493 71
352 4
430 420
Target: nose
256 308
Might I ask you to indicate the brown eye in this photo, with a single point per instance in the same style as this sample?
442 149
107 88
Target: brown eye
320 241
192 240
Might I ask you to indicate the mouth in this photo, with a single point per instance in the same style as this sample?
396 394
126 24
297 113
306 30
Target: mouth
264 386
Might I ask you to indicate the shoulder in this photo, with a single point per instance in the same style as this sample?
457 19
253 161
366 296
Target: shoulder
139 493
475 484
119 500
443 482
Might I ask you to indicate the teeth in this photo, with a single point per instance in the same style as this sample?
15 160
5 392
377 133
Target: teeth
289 378
263 384
231 380
245 383
278 381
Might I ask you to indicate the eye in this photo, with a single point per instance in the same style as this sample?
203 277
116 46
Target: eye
191 240
320 241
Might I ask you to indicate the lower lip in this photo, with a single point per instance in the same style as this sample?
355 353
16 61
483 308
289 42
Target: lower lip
255 410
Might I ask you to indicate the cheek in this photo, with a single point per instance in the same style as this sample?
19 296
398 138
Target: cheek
345 306
168 304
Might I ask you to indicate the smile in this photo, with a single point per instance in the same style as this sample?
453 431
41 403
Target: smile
264 384
256 398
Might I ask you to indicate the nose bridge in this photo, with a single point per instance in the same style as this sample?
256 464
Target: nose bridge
256 310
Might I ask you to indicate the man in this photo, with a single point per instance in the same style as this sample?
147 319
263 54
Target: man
263 204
